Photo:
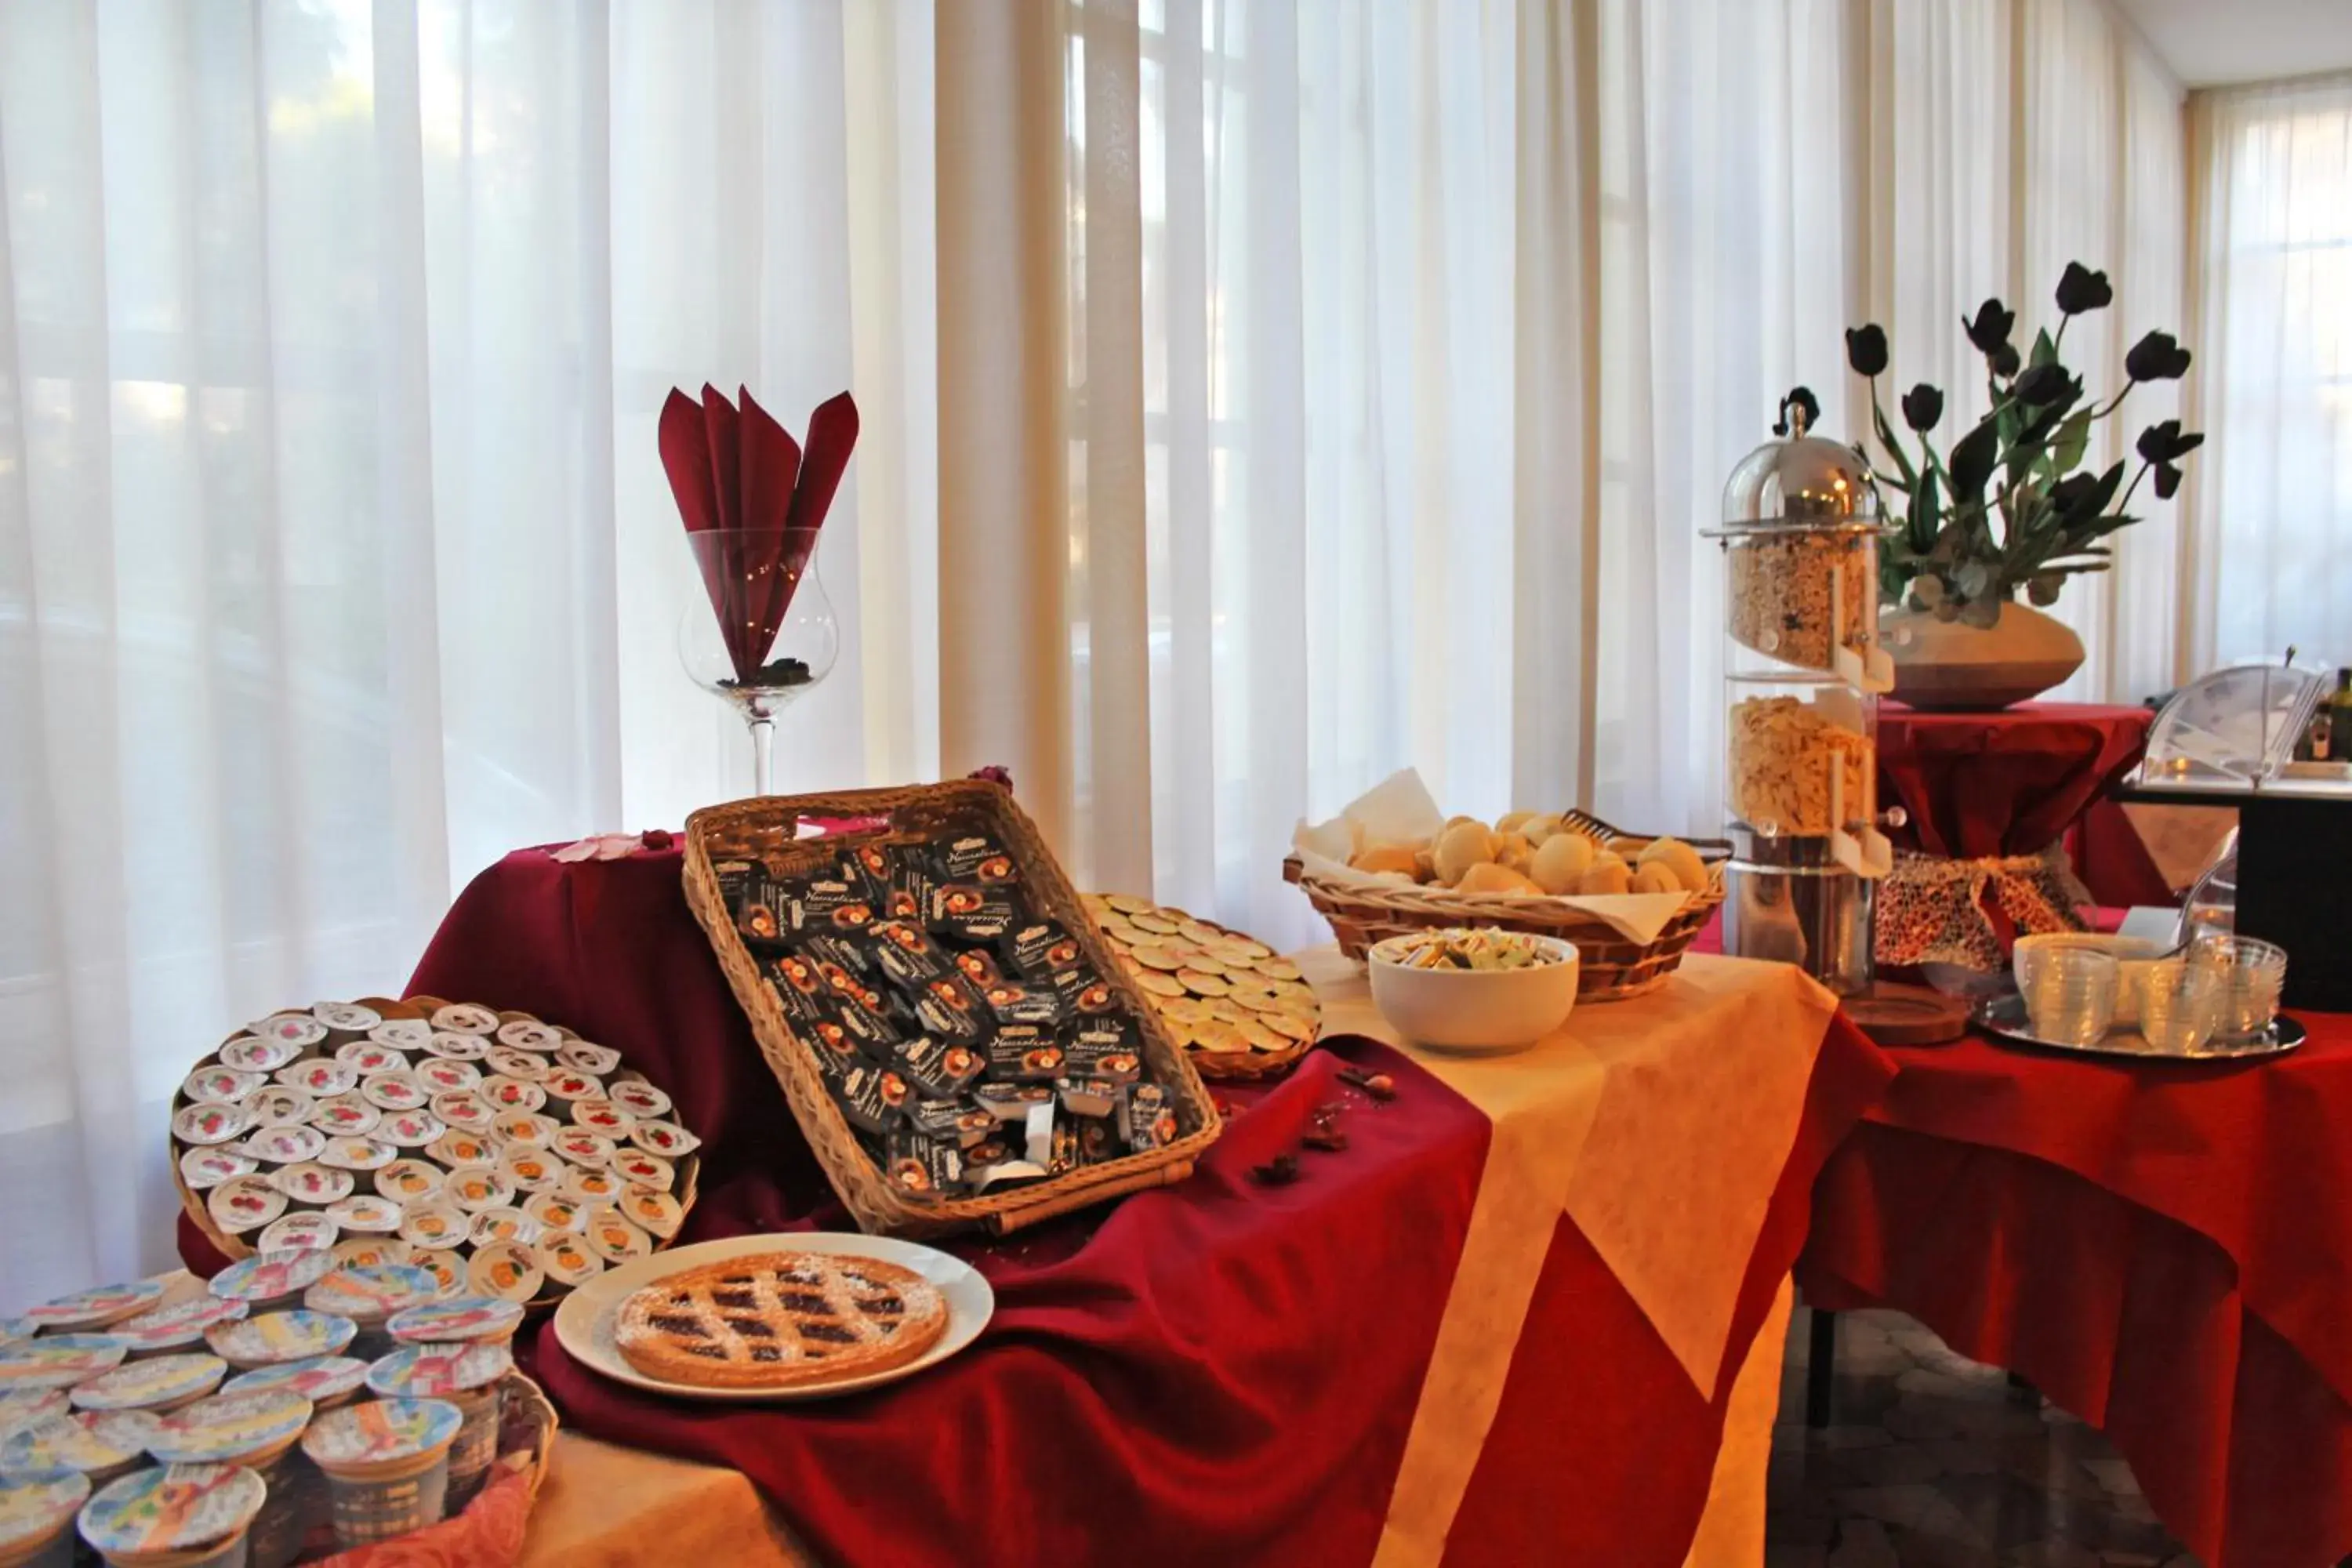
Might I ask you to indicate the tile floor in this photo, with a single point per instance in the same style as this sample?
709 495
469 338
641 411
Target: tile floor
1936 1462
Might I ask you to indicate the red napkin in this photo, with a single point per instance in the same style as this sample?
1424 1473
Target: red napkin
752 502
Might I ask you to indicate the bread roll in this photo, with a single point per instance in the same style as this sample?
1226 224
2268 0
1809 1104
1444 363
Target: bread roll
1540 828
1513 849
1608 874
1655 877
1382 858
1628 848
1689 870
1514 821
1459 847
1489 877
1560 861
1458 820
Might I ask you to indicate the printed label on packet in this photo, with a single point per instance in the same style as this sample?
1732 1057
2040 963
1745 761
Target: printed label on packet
1146 1118
906 953
798 989
1088 1096
863 1102
910 890
948 1007
1011 1101
975 858
971 912
953 1121
871 868
920 1166
848 954
1109 1050
1024 1053
1015 1003
1037 951
830 905
938 1068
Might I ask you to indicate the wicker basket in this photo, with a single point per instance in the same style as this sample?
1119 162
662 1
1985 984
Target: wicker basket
765 829
1236 1067
1612 967
490 1532
192 1205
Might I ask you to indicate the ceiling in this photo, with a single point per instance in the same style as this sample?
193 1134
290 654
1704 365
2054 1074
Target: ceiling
2208 42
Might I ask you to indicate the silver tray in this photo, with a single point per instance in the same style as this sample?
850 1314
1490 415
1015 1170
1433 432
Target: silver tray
2004 1019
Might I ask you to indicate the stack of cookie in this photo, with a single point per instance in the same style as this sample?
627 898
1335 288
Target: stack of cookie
1239 1009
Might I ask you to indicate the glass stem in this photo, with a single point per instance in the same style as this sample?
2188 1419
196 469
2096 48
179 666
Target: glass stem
764 749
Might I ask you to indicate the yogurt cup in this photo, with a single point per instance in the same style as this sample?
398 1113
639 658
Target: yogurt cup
493 1226
454 1045
286 1145
433 1224
369 1213
179 1326
220 1084
447 1267
469 1376
204 1169
475 1189
640 1169
583 1147
326 1381
566 1259
275 1337
638 1098
363 1157
95 1309
612 1236
653 1211
409 1180
312 1182
464 1110
402 1034
366 1057
508 1270
270 1281
600 1115
530 1170
369 1251
531 1035
410 1129
505 1061
387 1466
99 1444
395 1091
204 1123
369 1297
465 1018
345 1116
584 1056
440 1075
315 1231
589 1187
526 1129
461 1319
513 1093
244 1202
346 1017
251 1053
258 1430
319 1077
175 1516
156 1385
279 1105
292 1029
666 1139
36 1518
57 1360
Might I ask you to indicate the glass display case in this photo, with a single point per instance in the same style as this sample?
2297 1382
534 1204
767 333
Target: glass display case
1803 669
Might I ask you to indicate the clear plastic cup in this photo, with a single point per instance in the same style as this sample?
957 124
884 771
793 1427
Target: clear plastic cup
2180 1005
2252 974
2070 995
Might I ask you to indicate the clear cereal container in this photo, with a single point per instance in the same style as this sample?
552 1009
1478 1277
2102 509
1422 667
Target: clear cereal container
1803 671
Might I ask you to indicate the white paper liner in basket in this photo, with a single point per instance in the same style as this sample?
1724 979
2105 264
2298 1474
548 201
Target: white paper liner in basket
1400 810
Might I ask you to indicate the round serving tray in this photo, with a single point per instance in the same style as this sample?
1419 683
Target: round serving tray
2004 1019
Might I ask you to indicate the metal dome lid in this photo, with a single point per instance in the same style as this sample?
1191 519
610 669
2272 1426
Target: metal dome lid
1799 480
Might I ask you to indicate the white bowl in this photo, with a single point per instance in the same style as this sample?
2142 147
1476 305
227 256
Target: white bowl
1480 1010
2133 955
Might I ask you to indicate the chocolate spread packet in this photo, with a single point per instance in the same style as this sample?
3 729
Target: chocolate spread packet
971 913
863 1104
830 904
1088 1096
872 868
957 1122
1023 1053
1146 1118
978 966
1037 949
1011 1002
906 953
1099 1142
1109 1050
922 1167
1085 995
1011 1101
950 1008
800 990
910 889
940 1068
974 858
850 954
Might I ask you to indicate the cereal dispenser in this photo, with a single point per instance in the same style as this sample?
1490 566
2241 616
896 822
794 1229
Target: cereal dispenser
1803 671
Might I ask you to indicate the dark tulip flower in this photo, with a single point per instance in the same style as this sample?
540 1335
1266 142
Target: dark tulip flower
1865 350
1922 407
2043 383
2073 494
2167 443
2005 360
1990 329
2081 289
2167 479
2156 357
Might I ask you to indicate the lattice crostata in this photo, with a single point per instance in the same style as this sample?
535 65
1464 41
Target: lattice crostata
780 1320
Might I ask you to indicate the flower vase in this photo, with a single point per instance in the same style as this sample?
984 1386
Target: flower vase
1951 666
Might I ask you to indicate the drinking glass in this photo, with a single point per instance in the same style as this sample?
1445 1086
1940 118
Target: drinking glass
2071 994
2253 973
2179 1004
758 630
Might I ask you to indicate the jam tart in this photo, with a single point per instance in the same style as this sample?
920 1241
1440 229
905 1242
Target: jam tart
779 1320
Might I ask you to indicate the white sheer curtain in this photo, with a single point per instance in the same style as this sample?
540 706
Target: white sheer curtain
335 559
2271 562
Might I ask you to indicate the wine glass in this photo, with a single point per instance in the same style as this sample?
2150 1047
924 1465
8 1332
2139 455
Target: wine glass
758 630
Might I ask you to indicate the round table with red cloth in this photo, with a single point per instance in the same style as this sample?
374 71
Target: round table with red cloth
2018 780
2165 1251
1215 1372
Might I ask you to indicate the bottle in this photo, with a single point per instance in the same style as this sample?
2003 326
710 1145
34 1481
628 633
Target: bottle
2339 718
2318 740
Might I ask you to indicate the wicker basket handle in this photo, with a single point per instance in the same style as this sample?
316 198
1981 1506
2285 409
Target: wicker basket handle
1011 1220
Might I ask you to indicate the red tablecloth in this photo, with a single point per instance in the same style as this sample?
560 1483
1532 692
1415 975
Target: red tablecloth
1218 1372
2017 781
2166 1252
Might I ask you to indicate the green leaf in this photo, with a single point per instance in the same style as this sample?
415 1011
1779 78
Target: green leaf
1894 448
1973 455
1927 513
2045 348
2074 440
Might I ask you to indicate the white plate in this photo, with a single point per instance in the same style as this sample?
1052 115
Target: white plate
583 1323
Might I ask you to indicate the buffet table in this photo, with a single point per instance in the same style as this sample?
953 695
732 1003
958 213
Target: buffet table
2017 779
2166 1252
1530 1313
